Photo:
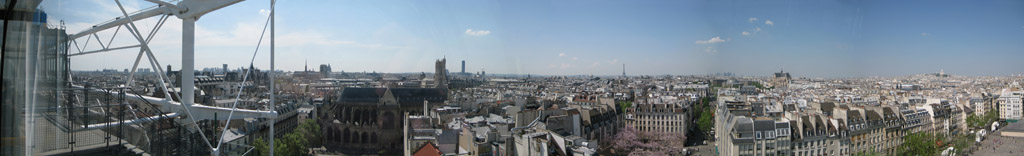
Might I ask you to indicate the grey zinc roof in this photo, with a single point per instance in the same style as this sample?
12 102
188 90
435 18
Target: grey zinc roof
854 114
782 124
820 122
797 132
1014 127
744 125
873 116
888 112
764 125
807 125
743 129
402 94
827 106
842 125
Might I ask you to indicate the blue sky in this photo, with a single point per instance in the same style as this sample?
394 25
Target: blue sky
807 38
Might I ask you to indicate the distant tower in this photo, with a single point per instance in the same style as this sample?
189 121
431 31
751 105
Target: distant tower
440 74
168 70
782 79
225 68
463 67
942 73
306 68
623 70
325 70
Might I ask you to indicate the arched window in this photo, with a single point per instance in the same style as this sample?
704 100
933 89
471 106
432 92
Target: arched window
342 114
346 137
373 138
367 116
373 116
358 116
364 139
330 134
388 122
355 138
351 114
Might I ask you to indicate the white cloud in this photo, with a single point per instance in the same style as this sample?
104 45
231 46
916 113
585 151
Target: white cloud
562 55
478 32
565 65
924 34
745 33
711 50
247 34
716 39
757 28
769 22
752 20
613 61
264 12
595 64
575 58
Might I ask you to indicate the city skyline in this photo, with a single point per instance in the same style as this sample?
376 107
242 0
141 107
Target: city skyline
815 39
534 77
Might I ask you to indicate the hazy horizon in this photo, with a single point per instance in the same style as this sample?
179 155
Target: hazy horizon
808 39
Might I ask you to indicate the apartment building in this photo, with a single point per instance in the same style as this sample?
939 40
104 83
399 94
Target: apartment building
1010 104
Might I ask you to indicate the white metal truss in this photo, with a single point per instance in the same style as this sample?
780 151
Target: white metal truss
188 11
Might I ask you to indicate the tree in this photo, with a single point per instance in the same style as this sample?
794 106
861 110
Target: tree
706 121
630 141
292 144
662 143
311 130
627 140
260 147
962 142
991 116
625 105
973 121
705 101
757 84
920 143
297 142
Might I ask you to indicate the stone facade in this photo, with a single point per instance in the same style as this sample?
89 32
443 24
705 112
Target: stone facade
369 120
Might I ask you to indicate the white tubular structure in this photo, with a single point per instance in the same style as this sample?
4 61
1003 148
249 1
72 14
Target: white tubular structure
188 74
128 122
139 15
199 112
189 11
272 108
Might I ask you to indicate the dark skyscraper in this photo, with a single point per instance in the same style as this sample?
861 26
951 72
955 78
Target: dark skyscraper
463 66
225 68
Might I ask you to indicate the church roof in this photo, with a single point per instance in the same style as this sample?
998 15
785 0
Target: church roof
402 94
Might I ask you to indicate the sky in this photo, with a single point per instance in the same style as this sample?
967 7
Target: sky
830 38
